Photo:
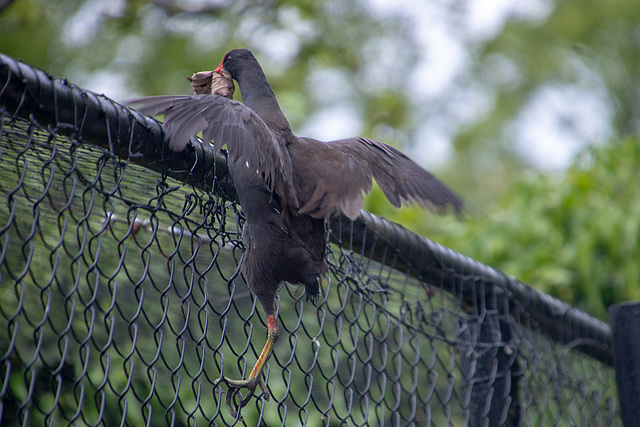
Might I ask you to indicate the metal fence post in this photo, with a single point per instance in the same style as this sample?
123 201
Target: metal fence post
489 366
625 324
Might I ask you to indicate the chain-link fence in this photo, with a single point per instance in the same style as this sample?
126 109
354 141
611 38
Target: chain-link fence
122 302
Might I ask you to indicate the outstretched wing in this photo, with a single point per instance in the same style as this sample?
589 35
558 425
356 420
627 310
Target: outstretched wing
224 121
349 167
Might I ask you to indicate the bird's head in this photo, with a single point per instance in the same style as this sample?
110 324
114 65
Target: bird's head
234 61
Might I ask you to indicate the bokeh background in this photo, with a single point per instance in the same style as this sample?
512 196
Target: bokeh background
529 110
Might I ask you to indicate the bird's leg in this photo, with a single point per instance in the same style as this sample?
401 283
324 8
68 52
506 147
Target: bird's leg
255 377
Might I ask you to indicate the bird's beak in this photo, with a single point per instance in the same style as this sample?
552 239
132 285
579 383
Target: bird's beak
219 69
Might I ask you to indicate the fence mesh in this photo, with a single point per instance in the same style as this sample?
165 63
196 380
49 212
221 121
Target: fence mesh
122 301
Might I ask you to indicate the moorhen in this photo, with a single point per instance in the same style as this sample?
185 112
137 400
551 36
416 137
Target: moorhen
287 185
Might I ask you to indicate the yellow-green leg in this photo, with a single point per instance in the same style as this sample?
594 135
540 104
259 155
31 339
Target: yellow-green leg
255 377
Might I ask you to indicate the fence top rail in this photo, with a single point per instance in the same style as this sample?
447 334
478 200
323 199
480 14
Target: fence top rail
65 109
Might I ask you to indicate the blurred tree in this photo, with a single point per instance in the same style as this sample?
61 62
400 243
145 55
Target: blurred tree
575 235
554 74
148 48
547 74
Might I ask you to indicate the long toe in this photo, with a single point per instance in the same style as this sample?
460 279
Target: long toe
249 383
234 387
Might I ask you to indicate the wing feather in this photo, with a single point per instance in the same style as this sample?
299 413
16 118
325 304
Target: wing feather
224 121
327 178
345 169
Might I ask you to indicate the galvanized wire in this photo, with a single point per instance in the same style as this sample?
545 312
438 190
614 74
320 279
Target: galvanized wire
123 302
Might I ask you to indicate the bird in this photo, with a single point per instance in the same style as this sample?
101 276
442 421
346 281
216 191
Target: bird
288 186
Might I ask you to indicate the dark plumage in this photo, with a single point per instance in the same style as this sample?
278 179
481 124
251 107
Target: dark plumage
288 185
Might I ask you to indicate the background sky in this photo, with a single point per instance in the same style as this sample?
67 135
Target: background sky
555 124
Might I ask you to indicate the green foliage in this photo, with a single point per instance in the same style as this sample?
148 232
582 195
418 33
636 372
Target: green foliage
572 233
144 48
575 235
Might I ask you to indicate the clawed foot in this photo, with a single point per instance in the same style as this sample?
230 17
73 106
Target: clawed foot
312 289
255 377
234 386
